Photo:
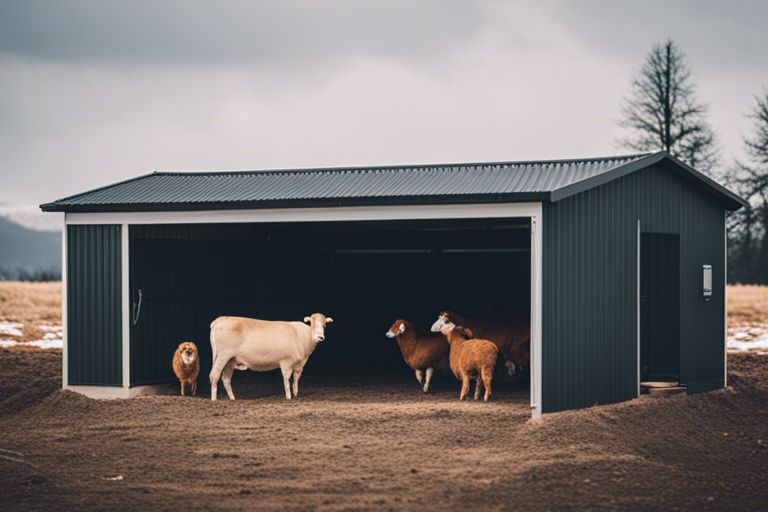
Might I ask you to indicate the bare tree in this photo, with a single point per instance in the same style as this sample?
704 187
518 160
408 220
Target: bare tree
748 227
662 112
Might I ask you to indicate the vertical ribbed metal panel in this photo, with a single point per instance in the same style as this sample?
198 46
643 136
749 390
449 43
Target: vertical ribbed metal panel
590 287
187 279
94 319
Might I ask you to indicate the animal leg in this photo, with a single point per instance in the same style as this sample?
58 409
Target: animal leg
487 377
296 377
216 368
418 376
464 386
286 371
226 378
182 387
428 379
194 387
478 387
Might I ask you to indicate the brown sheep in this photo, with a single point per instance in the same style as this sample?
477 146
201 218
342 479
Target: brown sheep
513 339
422 350
186 365
471 357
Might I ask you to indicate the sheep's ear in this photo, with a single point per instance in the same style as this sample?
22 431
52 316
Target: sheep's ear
401 328
469 332
329 320
307 320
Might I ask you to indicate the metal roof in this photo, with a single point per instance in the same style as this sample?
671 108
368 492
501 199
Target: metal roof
440 183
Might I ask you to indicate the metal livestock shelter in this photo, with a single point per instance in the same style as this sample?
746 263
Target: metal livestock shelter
618 262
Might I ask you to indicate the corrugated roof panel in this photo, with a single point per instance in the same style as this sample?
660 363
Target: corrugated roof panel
510 180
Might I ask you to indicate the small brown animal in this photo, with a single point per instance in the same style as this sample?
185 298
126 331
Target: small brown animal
471 357
186 365
513 339
422 350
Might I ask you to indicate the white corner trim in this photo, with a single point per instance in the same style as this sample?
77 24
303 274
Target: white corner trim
126 304
637 311
346 213
64 272
537 229
725 300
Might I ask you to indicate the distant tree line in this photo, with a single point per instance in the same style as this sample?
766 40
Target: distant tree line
662 112
15 273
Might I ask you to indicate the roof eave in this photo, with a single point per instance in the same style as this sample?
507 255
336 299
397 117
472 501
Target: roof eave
298 203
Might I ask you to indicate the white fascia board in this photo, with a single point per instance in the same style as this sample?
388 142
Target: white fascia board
329 214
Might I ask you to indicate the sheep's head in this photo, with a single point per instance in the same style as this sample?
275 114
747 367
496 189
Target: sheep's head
188 352
452 331
318 321
398 327
465 332
443 319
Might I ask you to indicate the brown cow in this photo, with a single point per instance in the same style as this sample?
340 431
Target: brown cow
513 339
422 350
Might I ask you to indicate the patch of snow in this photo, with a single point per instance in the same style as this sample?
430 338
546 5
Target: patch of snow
46 343
749 338
11 328
50 328
57 343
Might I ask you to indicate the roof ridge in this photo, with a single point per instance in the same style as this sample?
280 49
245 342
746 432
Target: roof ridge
223 172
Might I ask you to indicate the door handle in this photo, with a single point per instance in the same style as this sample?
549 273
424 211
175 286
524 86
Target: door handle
136 310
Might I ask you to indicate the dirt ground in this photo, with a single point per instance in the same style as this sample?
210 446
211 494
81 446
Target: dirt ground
375 443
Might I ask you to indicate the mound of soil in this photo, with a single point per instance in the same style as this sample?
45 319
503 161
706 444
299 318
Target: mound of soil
360 442
27 376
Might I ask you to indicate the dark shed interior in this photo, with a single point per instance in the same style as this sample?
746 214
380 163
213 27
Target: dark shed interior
363 274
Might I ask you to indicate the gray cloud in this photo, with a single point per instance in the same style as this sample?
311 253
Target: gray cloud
193 32
717 34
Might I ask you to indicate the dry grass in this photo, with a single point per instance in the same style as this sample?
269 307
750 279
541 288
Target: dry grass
30 304
747 305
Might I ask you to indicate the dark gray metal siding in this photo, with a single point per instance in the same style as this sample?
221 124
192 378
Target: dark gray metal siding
94 316
590 287
187 279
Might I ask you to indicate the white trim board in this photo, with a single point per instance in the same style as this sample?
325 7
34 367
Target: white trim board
126 305
637 307
725 301
351 213
537 253
64 336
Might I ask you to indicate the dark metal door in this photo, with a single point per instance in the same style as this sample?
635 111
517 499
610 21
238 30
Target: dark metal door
660 307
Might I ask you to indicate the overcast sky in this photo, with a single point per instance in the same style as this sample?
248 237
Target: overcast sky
93 92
